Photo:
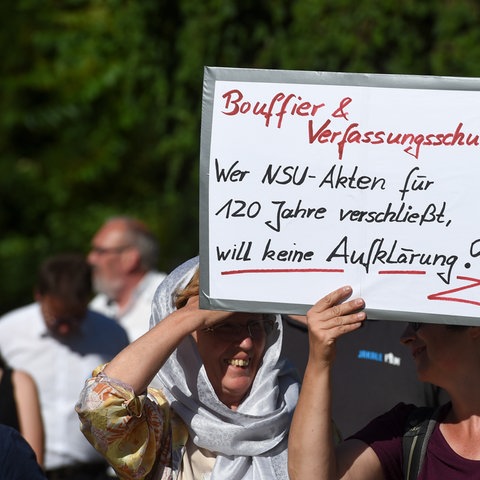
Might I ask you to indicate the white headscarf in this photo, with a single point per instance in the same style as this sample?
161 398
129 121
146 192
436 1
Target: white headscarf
251 442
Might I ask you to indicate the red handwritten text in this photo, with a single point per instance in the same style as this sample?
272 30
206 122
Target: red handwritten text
281 104
411 141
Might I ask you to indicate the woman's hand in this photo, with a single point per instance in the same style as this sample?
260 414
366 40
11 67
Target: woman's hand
311 450
330 318
205 318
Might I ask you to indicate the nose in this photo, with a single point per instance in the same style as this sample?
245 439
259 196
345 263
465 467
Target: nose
245 340
408 335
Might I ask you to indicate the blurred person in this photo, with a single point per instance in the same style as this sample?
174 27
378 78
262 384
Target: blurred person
17 459
226 401
124 256
380 371
59 342
20 407
445 355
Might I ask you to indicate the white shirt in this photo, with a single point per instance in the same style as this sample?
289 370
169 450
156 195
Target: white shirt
60 367
135 319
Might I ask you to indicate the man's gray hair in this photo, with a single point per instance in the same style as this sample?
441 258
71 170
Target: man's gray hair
141 237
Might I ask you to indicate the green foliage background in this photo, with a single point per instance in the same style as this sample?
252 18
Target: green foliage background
101 101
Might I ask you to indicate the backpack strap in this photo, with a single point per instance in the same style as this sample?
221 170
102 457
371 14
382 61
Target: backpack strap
418 429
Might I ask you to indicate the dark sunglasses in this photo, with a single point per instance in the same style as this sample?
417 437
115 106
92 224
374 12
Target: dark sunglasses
415 326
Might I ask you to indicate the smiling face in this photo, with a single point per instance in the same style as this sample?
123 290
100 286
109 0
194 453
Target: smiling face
232 355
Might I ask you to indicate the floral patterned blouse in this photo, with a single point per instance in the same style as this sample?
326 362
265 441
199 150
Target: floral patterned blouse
140 436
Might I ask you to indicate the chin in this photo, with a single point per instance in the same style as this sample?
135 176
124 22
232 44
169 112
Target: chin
237 388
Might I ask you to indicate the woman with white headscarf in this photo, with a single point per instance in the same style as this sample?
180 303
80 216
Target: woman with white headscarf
225 400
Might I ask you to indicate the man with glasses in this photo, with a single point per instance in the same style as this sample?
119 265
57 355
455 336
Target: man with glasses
124 257
59 342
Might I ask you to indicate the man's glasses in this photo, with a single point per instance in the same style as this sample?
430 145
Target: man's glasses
256 329
106 250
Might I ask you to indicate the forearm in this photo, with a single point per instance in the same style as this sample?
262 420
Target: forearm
311 446
138 363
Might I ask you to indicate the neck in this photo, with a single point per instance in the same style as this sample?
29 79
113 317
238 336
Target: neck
461 429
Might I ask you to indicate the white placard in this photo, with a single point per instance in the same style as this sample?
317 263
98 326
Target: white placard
310 181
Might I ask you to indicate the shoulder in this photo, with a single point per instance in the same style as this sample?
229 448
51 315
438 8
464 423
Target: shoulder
23 380
96 316
22 324
384 435
99 302
388 426
97 327
152 280
29 312
24 383
400 412
96 321
101 320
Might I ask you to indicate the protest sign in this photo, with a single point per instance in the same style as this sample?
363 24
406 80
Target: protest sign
313 180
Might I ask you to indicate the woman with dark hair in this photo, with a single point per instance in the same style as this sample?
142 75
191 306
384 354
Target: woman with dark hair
447 356
225 401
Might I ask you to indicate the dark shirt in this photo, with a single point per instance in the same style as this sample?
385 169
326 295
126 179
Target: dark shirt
17 459
384 435
372 372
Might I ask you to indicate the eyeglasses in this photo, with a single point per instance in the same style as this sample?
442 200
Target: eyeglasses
106 250
415 326
256 329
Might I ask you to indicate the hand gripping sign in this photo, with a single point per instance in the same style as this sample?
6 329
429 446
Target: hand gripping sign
311 180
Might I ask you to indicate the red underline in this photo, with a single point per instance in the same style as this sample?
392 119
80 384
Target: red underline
402 272
284 270
317 270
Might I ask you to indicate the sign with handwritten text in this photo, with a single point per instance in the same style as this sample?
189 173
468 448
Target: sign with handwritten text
313 180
